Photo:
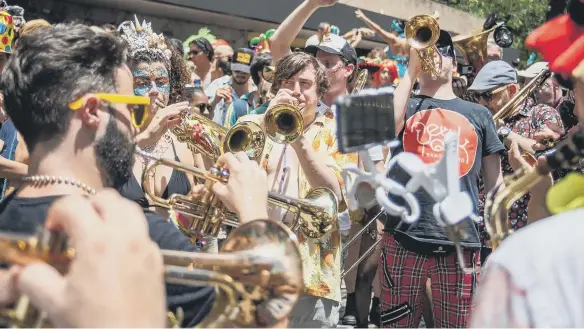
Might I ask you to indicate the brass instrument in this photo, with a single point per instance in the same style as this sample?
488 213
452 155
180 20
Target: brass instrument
498 201
422 32
512 107
360 82
210 139
361 232
473 48
514 104
283 123
313 216
258 274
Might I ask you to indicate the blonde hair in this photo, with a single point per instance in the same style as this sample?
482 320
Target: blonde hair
33 25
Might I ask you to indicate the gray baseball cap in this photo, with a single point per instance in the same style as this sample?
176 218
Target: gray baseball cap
493 75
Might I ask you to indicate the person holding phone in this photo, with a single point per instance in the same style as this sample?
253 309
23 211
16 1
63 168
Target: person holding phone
159 72
412 253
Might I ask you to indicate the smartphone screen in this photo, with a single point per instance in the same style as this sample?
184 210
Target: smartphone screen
364 121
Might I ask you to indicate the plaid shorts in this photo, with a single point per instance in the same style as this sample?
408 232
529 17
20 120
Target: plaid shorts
403 276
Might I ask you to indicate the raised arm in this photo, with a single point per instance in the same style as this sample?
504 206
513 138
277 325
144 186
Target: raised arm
404 89
282 39
397 45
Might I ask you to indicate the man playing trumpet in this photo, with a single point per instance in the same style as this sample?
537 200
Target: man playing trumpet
293 169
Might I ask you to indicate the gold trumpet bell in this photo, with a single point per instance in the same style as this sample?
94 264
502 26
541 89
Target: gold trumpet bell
422 32
283 123
245 137
271 272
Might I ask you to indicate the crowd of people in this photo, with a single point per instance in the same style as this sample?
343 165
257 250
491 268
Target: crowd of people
78 100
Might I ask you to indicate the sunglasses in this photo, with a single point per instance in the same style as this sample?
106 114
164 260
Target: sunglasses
138 106
446 51
194 52
202 107
268 73
488 95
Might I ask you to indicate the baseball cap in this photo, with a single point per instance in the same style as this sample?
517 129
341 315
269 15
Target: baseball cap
445 44
494 74
336 45
241 60
533 70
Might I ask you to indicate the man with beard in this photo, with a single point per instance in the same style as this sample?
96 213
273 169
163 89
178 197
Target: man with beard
249 101
79 139
227 89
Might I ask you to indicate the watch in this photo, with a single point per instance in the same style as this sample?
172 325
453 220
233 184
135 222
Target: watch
503 133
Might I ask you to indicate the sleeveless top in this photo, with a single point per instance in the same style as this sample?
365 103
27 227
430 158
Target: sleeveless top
177 184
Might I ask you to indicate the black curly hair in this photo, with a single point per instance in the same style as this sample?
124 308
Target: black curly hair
178 73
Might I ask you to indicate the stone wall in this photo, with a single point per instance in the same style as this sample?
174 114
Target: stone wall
451 19
59 11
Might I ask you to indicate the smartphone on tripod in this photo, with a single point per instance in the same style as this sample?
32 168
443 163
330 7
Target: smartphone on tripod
364 121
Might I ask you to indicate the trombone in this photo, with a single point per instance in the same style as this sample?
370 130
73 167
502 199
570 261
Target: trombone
514 104
313 216
212 140
361 232
498 201
422 32
258 274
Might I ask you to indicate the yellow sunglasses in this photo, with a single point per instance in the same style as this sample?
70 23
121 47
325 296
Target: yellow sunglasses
139 106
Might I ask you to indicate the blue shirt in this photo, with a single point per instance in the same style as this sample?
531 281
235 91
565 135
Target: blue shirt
9 136
238 109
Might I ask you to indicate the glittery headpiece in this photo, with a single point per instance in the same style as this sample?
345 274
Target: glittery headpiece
141 38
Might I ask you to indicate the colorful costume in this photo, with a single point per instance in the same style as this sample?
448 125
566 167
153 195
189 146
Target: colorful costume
400 61
203 33
261 44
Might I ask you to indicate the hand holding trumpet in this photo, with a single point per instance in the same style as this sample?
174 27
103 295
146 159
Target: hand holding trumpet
248 200
115 259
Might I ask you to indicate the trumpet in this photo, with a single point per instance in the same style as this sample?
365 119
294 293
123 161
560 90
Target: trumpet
210 139
283 123
422 32
258 274
512 107
313 216
567 154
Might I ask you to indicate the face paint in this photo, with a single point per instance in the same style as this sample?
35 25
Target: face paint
145 79
162 81
141 82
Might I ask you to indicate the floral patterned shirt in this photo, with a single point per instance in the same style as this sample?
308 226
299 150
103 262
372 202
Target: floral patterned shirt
530 120
321 258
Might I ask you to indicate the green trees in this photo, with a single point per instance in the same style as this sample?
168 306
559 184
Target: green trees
525 15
